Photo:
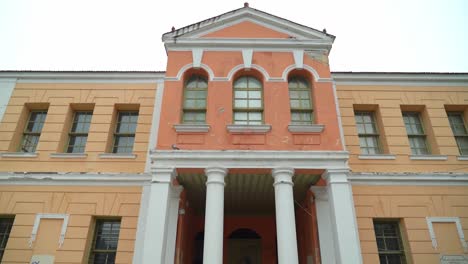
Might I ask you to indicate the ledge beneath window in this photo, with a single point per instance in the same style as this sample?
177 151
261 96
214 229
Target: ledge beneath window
192 128
377 156
428 157
462 158
312 128
18 155
117 156
69 155
248 129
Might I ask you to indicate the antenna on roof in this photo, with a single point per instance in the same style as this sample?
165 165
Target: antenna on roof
246 4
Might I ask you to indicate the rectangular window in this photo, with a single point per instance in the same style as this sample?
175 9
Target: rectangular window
124 135
32 131
106 237
367 132
457 124
416 134
389 242
6 223
79 132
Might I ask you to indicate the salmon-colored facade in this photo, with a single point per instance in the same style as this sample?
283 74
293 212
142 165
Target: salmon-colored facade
247 149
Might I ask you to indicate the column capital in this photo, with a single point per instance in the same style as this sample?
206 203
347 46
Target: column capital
320 192
216 175
282 175
163 175
333 176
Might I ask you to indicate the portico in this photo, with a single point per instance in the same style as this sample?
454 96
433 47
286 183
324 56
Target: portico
274 171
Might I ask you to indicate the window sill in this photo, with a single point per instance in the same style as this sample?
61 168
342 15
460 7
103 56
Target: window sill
68 155
312 128
19 155
117 156
428 157
192 128
248 129
465 157
377 156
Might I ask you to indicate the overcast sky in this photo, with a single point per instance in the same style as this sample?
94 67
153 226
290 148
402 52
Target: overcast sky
371 35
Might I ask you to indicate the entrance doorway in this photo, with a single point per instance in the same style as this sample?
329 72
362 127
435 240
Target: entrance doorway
244 247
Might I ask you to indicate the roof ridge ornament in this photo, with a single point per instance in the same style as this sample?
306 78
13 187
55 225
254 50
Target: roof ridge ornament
246 4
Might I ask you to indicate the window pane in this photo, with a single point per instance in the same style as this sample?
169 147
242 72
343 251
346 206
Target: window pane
127 122
389 243
105 242
240 103
241 94
462 144
255 116
418 145
36 121
29 143
240 116
254 83
77 144
241 83
255 94
255 104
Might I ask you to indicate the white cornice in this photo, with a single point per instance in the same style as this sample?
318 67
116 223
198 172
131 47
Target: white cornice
249 159
84 77
409 79
75 179
250 14
442 179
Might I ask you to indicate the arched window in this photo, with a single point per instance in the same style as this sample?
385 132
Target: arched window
195 100
248 102
300 101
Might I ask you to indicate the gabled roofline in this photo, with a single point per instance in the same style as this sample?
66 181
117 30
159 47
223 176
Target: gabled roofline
198 25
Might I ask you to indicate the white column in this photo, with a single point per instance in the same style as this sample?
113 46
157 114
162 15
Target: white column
325 230
285 218
214 216
156 225
172 223
345 231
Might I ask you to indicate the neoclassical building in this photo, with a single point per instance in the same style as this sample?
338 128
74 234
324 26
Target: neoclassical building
246 149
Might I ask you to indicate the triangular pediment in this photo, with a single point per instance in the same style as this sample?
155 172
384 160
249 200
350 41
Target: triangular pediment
247 23
246 29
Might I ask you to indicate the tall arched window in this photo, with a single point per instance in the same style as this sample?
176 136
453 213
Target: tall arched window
195 100
248 102
300 101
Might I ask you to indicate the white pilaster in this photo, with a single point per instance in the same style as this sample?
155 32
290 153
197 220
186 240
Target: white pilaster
345 231
285 218
157 219
172 223
214 215
325 230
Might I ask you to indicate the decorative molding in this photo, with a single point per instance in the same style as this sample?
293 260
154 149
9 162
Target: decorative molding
399 79
197 55
428 157
456 220
236 68
84 77
312 128
19 155
246 159
248 129
377 156
298 58
192 128
117 156
37 222
247 57
421 179
74 179
184 68
68 155
153 136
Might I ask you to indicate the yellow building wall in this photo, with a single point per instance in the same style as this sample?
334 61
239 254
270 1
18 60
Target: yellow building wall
105 98
389 100
411 205
84 204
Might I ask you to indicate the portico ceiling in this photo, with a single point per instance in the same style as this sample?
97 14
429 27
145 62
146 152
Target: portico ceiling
245 194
